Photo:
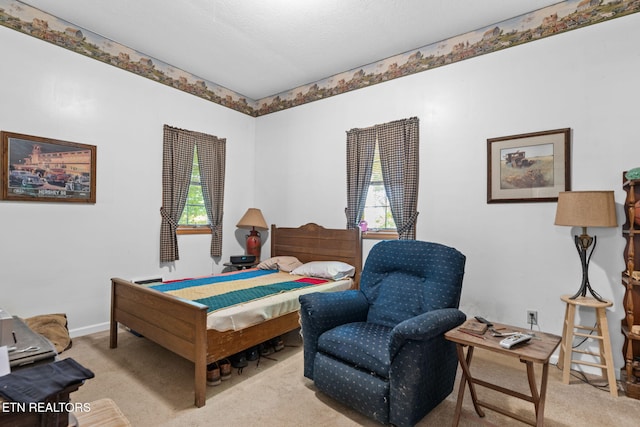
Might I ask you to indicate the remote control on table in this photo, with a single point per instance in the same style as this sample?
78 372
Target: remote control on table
514 340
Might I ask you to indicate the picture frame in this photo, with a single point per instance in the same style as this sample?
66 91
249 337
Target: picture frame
531 167
47 170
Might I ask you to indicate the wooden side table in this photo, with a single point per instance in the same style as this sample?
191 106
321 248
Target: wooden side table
538 350
599 332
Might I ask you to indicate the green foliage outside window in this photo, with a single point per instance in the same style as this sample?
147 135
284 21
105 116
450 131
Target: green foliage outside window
377 211
194 213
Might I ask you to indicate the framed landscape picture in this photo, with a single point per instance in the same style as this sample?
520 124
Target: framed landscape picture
532 167
47 170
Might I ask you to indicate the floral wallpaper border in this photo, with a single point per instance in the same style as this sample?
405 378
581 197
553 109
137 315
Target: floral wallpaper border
555 19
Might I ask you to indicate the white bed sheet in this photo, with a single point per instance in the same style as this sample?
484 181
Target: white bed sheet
254 312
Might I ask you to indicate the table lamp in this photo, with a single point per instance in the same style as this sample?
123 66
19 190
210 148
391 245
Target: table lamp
586 209
253 219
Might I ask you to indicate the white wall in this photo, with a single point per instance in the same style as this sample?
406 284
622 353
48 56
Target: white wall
291 164
517 259
58 258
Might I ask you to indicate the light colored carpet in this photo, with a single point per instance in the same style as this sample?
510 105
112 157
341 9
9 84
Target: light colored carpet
153 387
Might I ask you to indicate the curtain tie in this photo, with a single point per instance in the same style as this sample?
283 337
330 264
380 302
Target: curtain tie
408 223
165 215
350 225
216 230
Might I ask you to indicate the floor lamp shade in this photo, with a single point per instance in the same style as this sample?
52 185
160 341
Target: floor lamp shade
586 209
253 220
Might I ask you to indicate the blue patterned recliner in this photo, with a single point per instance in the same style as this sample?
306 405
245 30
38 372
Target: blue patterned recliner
381 349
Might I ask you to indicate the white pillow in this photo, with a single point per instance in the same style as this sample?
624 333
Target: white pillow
282 263
334 270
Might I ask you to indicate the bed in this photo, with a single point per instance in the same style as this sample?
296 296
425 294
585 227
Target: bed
180 325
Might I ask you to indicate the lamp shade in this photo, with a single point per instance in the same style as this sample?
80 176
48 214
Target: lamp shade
586 209
252 219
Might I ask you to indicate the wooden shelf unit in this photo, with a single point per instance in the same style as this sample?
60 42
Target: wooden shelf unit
631 301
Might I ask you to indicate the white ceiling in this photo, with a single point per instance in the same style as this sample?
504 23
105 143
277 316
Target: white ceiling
260 48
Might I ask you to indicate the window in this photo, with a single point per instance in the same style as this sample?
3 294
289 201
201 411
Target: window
377 211
194 216
384 154
193 168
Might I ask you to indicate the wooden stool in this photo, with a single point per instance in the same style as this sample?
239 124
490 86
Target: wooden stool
601 334
101 413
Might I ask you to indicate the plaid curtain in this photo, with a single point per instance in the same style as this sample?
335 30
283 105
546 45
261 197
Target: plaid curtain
360 150
398 143
211 159
177 161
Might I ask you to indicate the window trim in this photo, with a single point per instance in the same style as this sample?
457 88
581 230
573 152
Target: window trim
380 235
193 229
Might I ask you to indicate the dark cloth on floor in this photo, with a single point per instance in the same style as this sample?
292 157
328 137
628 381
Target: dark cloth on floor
37 383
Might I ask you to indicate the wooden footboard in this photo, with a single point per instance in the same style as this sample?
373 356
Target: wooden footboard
176 324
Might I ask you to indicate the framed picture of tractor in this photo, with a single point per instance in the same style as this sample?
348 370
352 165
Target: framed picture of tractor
531 167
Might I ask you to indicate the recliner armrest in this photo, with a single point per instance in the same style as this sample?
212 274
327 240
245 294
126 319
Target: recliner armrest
425 326
321 311
328 310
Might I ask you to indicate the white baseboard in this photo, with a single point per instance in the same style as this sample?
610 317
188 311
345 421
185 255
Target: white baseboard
87 330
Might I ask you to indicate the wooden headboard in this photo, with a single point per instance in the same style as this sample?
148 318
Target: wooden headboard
312 242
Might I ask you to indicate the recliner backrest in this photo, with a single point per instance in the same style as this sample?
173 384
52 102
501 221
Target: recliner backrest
404 278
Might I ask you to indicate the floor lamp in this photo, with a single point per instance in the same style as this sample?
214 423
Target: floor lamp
253 219
586 209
